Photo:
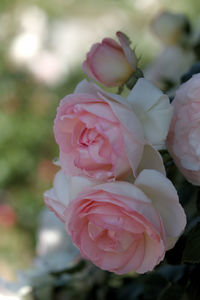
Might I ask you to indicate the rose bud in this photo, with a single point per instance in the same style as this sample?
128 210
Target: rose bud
111 63
183 140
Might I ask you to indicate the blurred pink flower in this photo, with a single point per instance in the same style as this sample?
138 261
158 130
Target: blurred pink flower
7 215
100 136
110 63
183 140
119 226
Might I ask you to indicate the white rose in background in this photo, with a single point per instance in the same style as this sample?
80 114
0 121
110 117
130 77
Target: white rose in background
177 37
171 28
153 109
169 66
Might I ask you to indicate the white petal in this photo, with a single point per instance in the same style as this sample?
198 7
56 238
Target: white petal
144 95
65 189
165 199
61 188
156 126
57 198
80 184
151 159
153 109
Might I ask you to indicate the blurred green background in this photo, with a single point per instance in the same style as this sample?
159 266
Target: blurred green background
42 46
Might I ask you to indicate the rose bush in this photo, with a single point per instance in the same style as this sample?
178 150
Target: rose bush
101 137
110 63
120 210
183 140
119 226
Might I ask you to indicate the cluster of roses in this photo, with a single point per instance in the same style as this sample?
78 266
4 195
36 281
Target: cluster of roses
112 192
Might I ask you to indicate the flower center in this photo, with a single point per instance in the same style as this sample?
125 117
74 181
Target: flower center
88 136
110 240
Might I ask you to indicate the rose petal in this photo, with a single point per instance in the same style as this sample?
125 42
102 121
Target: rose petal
165 199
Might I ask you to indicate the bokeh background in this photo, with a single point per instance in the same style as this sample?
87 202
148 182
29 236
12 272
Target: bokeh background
42 46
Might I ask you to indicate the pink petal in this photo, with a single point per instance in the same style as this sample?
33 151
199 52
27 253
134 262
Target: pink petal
129 53
154 253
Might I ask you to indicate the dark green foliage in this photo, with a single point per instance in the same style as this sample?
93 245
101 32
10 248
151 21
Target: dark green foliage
191 251
173 292
193 70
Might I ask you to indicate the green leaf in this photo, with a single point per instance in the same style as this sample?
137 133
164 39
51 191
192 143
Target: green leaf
198 201
173 292
174 255
77 268
153 283
194 69
194 287
172 273
191 253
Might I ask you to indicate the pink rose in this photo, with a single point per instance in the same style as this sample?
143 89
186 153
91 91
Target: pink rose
110 63
100 136
183 140
120 226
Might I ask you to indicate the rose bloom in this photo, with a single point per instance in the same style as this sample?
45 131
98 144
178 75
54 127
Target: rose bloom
119 226
183 140
100 136
170 28
110 63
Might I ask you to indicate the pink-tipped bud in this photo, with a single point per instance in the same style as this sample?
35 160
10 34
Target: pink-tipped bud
111 63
